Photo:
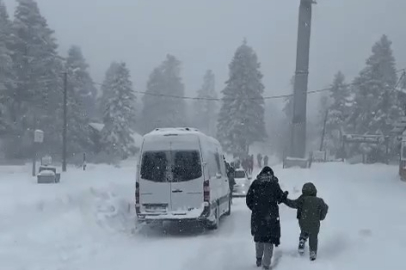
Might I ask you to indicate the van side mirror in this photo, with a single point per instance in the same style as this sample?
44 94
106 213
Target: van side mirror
249 177
218 175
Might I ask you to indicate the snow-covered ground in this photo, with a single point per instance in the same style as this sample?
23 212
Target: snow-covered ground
85 223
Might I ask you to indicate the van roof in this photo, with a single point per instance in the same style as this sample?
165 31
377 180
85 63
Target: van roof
158 133
178 131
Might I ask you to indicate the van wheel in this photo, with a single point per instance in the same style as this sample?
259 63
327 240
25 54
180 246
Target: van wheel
229 206
213 225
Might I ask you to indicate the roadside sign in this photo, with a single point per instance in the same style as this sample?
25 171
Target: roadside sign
38 136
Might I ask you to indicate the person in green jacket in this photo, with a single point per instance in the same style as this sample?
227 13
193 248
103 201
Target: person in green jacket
310 211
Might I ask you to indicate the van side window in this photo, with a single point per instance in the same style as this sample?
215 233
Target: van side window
212 165
187 166
218 165
154 166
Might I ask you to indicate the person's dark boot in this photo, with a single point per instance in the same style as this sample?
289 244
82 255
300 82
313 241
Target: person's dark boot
301 247
313 255
259 262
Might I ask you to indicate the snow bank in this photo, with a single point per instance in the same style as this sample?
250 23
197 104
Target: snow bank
52 224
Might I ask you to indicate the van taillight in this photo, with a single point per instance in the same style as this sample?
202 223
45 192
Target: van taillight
206 191
137 197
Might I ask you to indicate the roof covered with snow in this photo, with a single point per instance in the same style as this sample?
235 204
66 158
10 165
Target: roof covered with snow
178 131
97 126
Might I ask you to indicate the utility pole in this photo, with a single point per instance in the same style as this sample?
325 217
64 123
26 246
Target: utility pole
65 119
298 138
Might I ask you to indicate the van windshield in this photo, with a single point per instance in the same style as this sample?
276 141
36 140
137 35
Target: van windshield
187 165
154 166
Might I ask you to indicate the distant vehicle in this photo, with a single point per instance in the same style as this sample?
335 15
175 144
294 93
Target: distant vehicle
242 183
181 176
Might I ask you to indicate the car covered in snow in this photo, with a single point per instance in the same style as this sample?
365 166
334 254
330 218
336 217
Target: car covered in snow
242 183
181 176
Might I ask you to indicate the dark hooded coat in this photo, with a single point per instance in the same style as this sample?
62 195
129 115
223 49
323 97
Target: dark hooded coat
310 209
262 199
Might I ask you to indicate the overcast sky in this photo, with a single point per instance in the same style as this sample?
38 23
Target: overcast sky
204 34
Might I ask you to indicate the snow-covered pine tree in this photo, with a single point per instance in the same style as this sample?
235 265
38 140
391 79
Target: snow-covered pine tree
6 71
376 107
338 112
81 102
324 106
118 99
159 110
402 92
81 80
38 68
205 110
241 117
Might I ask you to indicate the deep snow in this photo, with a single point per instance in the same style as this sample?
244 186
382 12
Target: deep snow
86 222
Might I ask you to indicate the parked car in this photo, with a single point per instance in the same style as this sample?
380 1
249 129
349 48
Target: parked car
181 176
242 183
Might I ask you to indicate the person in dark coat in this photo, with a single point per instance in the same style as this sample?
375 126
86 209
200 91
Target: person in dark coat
266 160
231 177
259 159
262 199
244 165
310 211
251 164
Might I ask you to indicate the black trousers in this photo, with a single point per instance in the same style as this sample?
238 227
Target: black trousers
313 239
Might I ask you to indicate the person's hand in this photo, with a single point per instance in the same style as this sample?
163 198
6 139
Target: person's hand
285 196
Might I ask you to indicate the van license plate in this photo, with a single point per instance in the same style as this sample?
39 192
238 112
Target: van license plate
155 208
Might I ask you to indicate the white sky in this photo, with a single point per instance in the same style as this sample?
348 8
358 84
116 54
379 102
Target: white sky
205 33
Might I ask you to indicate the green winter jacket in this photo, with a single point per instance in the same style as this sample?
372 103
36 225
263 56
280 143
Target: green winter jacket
310 209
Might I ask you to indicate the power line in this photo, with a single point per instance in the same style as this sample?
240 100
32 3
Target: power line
256 98
403 70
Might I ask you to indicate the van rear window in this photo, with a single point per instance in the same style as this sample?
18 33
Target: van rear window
154 166
187 166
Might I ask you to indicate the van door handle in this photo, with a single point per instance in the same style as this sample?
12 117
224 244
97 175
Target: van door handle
177 191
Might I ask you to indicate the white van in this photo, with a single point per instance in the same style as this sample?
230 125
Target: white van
181 175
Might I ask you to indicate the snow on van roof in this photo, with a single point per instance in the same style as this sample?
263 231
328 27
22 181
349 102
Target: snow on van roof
180 130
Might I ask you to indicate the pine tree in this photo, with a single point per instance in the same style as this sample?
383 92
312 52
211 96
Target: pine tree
159 109
324 106
6 70
38 93
81 102
205 108
241 117
83 84
118 101
376 107
338 112
402 92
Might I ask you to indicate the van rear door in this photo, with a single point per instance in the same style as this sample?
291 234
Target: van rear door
154 183
187 182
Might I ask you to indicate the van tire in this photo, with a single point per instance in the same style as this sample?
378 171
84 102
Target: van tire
214 225
229 206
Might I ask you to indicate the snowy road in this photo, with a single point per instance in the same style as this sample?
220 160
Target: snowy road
84 223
